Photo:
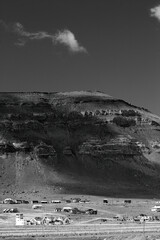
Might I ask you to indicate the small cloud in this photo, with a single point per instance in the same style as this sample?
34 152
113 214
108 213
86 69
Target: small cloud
155 12
19 29
66 37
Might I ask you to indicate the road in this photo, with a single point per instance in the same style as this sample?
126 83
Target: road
72 230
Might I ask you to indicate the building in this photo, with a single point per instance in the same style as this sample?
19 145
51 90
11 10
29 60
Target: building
19 219
105 200
76 200
9 201
58 209
37 206
127 201
37 221
67 209
91 211
156 208
76 211
55 201
25 201
34 201
18 201
44 202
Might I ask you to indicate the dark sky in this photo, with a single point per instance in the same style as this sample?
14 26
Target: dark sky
121 39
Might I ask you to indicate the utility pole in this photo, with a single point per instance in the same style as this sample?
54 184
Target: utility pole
143 222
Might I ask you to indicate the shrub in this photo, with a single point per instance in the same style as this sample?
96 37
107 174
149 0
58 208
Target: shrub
130 113
155 124
124 122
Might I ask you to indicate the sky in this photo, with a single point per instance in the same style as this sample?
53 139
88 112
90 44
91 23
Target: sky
111 46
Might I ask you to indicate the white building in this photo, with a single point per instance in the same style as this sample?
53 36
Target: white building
19 219
156 208
55 201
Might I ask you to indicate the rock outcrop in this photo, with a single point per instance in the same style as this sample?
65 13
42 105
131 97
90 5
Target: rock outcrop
45 138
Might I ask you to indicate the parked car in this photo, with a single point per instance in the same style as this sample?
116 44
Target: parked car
10 210
44 202
25 202
37 206
91 211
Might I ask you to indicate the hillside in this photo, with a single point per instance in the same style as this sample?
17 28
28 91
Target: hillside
77 142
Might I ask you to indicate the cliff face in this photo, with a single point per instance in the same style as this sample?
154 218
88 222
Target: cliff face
75 141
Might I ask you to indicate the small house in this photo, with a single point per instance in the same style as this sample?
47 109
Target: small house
119 217
58 209
58 222
91 211
18 201
9 201
76 200
44 202
25 202
13 210
34 201
76 211
55 201
127 201
156 208
36 221
67 209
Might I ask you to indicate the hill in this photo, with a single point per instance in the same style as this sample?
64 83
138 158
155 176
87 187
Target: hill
77 142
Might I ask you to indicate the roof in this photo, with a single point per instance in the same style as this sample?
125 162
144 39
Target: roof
67 208
157 206
37 205
38 218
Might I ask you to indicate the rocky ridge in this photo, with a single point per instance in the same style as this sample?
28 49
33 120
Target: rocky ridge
60 140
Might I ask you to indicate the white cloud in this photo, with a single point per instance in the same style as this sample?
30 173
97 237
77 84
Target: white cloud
68 39
155 12
65 37
19 30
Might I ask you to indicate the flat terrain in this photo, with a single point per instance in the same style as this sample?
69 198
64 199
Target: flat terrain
112 208
82 225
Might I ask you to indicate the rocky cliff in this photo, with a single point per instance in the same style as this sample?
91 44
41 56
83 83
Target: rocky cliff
83 142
